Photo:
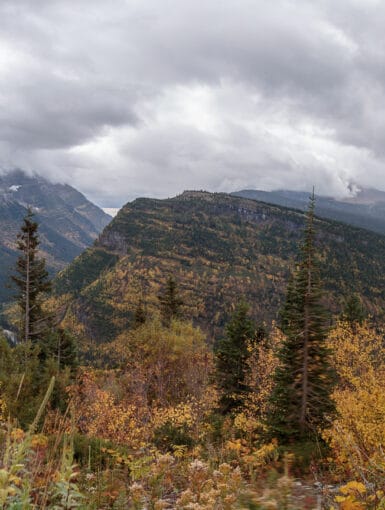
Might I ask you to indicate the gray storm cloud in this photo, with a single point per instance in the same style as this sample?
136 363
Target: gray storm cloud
143 97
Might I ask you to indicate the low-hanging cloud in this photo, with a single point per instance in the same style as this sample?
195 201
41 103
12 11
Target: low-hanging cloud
143 97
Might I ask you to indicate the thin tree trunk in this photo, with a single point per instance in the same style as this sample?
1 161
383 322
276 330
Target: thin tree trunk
58 352
305 363
27 292
305 371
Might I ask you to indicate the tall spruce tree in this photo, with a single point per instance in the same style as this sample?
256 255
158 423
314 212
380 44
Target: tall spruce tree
354 312
140 315
300 401
170 302
31 280
231 354
60 347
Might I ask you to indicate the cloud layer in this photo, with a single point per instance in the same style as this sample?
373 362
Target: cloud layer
142 97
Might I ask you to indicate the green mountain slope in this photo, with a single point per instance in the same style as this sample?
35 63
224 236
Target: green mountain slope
219 248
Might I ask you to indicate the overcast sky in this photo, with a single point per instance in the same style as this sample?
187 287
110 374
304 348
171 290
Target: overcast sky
125 98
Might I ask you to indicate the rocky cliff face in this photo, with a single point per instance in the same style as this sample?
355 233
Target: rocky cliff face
68 222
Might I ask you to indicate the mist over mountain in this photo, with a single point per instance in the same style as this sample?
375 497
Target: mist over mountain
365 208
68 222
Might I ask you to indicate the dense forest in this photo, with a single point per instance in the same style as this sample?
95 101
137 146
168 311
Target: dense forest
208 352
219 248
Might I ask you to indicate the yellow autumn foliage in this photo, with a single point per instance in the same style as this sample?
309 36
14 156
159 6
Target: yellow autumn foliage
357 434
153 357
262 364
160 377
191 414
358 353
3 408
99 414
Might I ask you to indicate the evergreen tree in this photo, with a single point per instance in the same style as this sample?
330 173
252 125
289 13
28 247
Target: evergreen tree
60 346
300 401
140 314
170 302
232 354
354 312
32 281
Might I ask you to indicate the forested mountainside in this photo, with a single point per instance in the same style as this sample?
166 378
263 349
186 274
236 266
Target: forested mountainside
141 409
68 222
219 248
366 209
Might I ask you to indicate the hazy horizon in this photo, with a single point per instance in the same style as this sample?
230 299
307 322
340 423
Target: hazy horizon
113 206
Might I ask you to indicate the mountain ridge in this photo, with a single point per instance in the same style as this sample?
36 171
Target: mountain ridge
219 248
68 222
365 210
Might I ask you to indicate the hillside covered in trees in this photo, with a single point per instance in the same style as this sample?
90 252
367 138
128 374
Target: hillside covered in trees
283 416
68 221
218 248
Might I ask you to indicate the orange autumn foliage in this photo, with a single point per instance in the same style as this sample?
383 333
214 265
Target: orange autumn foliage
160 376
99 414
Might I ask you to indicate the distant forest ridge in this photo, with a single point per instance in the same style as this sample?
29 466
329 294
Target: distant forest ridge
219 248
366 209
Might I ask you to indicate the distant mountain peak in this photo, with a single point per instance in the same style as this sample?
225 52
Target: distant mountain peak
195 194
365 207
366 196
68 222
